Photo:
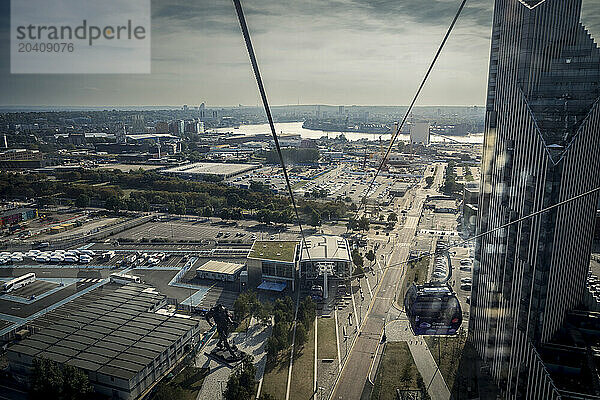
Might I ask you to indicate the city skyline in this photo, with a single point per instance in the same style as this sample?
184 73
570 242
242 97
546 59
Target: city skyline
335 53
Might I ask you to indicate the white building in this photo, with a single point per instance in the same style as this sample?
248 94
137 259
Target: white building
419 133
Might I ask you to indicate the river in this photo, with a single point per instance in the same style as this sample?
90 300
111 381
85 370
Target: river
296 127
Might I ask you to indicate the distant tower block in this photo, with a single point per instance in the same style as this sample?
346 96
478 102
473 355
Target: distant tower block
419 133
5 142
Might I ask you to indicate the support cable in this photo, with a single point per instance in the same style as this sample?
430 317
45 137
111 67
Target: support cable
414 100
263 95
506 225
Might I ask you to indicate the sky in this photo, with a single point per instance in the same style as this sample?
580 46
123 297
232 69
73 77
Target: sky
363 52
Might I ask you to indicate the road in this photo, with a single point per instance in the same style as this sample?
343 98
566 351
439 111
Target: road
354 373
355 370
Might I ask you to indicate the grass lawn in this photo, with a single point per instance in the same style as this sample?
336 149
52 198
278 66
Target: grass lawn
416 273
326 346
303 369
275 377
450 349
187 384
396 369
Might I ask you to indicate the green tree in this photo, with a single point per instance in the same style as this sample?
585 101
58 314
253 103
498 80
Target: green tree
76 384
429 181
241 384
352 224
315 218
370 256
112 203
364 223
241 306
393 217
46 379
82 201
53 381
166 391
358 261
301 334
307 311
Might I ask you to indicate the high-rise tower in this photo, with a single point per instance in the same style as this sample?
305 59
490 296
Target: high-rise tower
542 146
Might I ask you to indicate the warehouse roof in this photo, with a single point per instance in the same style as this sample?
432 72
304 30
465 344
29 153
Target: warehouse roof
219 169
119 347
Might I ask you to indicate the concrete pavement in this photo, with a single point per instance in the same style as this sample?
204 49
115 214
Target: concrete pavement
254 343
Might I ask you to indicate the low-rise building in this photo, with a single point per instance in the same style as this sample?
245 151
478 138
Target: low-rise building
220 271
17 215
332 252
120 341
272 264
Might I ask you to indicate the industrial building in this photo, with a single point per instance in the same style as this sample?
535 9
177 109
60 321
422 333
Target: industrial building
120 341
325 254
200 170
272 265
17 215
220 271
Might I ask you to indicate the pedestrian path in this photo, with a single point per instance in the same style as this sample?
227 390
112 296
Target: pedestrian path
252 343
399 331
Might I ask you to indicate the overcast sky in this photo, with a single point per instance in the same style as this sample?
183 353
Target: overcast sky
367 52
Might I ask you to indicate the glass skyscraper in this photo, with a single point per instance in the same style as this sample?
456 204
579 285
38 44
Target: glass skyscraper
542 146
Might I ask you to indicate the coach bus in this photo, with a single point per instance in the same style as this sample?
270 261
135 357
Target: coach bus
19 282
124 278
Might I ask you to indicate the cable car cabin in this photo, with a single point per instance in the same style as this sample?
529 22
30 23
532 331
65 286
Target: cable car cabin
432 309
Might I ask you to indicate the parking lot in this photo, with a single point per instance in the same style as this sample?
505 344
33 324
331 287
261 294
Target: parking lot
36 288
215 230
462 275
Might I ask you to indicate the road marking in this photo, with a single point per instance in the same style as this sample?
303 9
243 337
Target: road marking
369 287
338 378
315 366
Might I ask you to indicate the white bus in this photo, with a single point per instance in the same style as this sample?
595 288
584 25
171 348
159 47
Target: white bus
19 282
124 278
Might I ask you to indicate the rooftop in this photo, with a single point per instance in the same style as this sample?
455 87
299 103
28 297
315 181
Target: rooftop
116 335
221 267
220 169
326 248
276 250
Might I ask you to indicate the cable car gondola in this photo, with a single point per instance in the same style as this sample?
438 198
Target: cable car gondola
432 309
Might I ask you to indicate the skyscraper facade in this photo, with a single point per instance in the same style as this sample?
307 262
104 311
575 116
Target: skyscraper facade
542 146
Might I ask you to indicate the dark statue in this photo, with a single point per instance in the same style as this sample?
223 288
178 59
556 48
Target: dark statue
221 318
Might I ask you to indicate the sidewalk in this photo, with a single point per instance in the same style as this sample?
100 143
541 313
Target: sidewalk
253 344
399 331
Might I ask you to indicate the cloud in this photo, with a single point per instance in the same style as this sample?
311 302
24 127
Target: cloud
318 51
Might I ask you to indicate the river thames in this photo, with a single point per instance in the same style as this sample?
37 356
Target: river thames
296 127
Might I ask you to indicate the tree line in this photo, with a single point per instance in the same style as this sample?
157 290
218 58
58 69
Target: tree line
140 190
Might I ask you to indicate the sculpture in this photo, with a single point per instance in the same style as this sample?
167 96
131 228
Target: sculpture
223 321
